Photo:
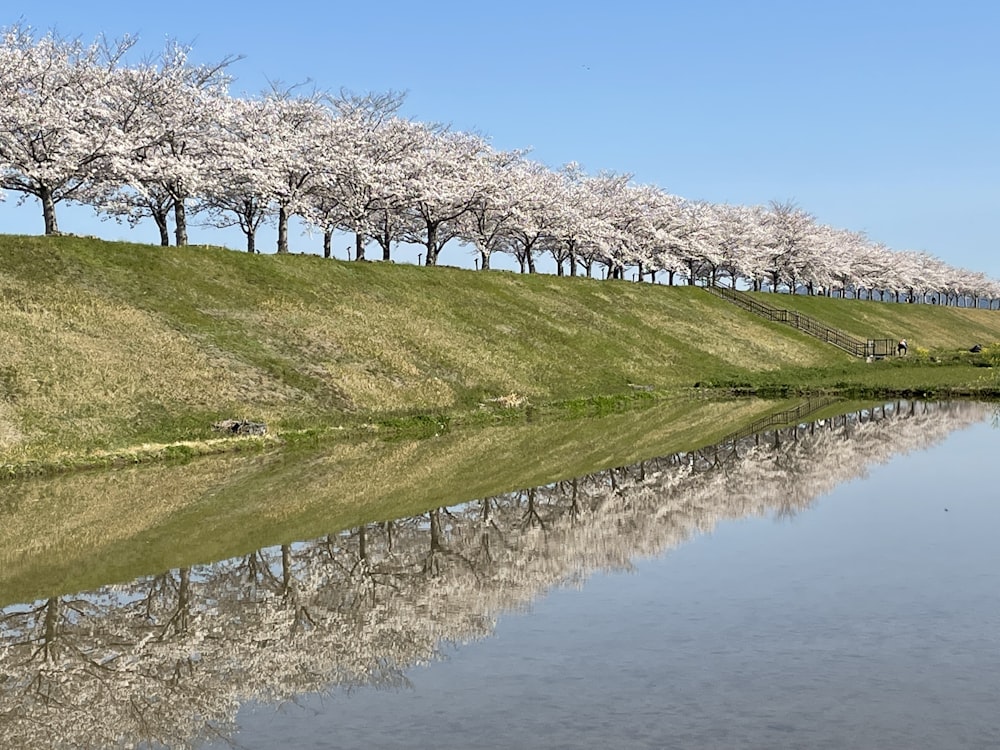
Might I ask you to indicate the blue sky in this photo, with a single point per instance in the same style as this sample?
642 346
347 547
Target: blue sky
873 116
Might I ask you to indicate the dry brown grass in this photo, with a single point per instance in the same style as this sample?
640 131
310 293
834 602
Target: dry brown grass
82 367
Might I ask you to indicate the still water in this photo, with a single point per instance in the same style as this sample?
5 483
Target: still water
827 585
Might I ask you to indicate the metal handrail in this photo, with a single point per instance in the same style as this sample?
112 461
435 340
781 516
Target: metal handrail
806 324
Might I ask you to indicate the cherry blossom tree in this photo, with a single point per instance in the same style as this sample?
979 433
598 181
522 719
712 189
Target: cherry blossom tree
577 218
873 270
441 182
694 239
845 251
909 276
635 227
268 155
817 264
535 222
56 115
541 215
240 184
360 187
299 135
652 237
789 242
161 108
739 230
620 214
491 220
380 207
367 183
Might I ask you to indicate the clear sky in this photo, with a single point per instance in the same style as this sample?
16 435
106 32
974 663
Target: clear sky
873 115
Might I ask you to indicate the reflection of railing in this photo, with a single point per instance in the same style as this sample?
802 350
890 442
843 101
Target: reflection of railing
786 417
811 326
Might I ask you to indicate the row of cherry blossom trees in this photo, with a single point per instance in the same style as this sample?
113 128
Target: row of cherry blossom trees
164 139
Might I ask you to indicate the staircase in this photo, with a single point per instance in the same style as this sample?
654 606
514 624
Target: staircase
811 326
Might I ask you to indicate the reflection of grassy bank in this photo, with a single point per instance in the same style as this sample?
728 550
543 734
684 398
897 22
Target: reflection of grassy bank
114 351
81 530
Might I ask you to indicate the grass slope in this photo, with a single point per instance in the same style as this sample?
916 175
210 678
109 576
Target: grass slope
109 346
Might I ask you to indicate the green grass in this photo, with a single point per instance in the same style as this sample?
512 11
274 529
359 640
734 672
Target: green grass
117 349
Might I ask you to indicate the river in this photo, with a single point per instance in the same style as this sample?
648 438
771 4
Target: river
832 583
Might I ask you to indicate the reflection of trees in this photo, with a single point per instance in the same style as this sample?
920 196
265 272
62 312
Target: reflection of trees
167 659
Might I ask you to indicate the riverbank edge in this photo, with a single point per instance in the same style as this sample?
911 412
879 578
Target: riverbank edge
421 426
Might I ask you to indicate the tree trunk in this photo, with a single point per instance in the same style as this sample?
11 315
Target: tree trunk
282 230
180 224
386 255
359 246
160 217
327 243
572 264
251 242
531 262
485 258
48 210
431 245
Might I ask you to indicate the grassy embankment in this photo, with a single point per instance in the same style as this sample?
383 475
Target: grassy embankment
115 349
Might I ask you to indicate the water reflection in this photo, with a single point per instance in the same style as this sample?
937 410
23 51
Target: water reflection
168 659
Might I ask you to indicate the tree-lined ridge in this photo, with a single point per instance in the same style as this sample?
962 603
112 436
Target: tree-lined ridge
165 140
